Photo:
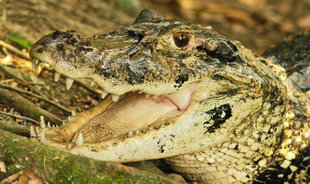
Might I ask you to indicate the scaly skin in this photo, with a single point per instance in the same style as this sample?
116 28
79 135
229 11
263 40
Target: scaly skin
244 122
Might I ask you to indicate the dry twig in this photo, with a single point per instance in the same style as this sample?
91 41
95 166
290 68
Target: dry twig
25 106
15 50
36 96
20 117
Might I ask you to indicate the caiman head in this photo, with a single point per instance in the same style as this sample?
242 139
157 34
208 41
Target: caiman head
176 88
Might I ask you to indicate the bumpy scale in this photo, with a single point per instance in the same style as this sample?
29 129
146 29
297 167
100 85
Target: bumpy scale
180 91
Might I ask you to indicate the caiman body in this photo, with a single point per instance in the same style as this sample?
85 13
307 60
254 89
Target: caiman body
180 91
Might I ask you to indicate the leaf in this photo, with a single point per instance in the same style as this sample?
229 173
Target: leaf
21 42
128 6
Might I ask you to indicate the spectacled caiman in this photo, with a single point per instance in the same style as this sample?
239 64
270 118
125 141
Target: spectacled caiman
214 110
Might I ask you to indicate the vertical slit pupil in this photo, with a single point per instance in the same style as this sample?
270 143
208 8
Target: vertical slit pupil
181 39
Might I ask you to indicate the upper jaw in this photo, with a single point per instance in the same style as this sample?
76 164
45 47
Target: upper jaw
57 50
113 69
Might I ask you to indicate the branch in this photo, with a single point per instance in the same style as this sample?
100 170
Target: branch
15 50
57 166
36 96
25 106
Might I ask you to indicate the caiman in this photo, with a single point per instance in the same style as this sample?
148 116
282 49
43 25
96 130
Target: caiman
214 110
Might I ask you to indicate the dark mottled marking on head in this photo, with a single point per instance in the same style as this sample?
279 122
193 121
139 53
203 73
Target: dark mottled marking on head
66 35
55 34
87 43
105 73
40 49
263 60
166 29
137 35
218 77
224 51
136 72
232 46
135 79
181 79
228 92
70 55
60 47
217 117
72 41
184 76
85 49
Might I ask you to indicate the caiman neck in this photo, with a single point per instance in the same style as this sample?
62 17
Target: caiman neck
257 140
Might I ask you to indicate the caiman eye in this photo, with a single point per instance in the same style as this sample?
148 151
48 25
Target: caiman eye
181 39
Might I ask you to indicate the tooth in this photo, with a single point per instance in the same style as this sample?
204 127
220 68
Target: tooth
137 132
69 118
130 134
74 138
56 77
42 122
48 124
63 123
103 94
115 98
73 113
92 83
42 138
35 65
69 147
32 132
37 130
69 83
11 111
79 140
42 65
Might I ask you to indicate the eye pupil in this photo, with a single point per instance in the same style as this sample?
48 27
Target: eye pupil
181 39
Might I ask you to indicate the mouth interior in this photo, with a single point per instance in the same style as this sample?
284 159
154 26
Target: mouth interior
132 113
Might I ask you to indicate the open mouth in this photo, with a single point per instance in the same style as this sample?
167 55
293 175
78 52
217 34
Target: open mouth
119 116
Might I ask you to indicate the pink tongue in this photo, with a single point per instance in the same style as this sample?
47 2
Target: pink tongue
131 113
